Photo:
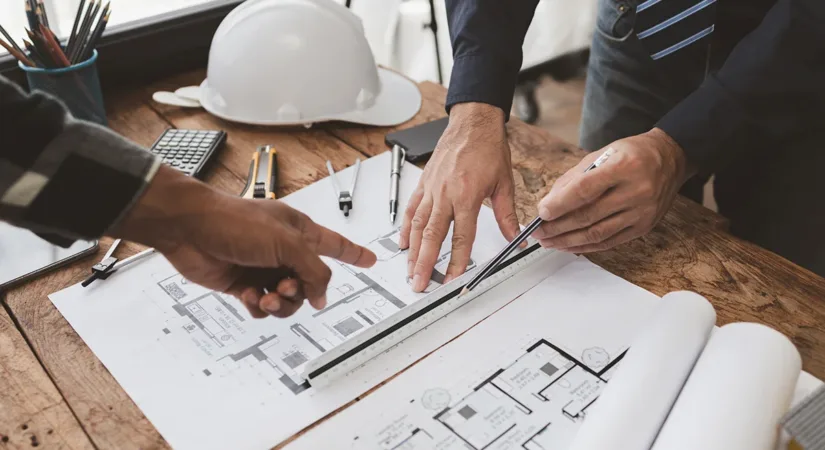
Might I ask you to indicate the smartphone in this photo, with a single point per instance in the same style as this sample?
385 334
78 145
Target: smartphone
24 255
418 141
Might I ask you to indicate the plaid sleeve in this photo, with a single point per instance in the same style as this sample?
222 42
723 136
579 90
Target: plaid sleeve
61 176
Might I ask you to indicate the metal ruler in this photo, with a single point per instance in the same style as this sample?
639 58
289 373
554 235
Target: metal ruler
382 336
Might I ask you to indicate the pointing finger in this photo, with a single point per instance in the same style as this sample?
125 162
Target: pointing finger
325 242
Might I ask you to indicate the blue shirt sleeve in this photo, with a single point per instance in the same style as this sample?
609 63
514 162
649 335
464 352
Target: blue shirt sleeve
770 87
487 36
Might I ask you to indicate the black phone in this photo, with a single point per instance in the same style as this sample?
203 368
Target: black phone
418 141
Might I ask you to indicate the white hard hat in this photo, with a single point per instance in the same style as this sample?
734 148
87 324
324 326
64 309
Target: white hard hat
286 62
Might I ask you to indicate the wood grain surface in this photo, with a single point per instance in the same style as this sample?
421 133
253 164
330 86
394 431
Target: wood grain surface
67 390
32 411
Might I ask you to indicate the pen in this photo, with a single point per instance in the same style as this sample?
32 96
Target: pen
398 155
528 230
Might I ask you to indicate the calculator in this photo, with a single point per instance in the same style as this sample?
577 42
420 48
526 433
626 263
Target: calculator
188 150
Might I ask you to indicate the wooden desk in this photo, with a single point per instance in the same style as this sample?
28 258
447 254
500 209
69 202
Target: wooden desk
55 393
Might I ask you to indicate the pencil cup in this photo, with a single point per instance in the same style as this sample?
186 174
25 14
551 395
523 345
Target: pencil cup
78 86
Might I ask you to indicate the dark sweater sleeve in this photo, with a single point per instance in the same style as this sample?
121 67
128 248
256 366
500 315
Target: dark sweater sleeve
771 85
63 178
487 36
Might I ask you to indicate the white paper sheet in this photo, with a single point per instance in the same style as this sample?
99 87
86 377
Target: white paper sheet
207 375
736 395
631 410
525 378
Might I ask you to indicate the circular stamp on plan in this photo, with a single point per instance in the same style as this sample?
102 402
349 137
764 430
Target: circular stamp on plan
595 357
435 399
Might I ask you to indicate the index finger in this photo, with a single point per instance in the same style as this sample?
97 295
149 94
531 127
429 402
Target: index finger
583 189
326 242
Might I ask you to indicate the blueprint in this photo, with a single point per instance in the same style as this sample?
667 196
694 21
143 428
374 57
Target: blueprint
195 360
525 378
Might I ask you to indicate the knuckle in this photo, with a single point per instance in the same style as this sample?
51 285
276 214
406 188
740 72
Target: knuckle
409 213
595 234
418 222
510 217
430 234
647 189
583 216
583 189
420 268
460 241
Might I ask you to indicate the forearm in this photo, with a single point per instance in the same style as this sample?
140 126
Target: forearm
170 210
63 176
487 36
770 88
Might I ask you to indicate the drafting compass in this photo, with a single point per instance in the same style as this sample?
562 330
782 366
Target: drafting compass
109 264
344 197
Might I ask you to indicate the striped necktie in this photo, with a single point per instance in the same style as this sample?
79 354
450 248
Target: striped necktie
670 27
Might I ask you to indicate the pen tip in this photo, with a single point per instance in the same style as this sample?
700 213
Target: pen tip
392 218
463 291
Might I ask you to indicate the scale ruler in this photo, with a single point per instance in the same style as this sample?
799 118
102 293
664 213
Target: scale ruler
379 338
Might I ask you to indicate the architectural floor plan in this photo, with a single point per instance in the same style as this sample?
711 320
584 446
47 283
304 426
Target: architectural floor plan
195 360
213 322
524 379
535 403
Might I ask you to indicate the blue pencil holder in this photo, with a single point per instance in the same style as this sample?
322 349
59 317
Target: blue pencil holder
77 86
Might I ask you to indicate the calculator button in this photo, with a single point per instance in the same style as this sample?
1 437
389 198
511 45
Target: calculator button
204 145
174 164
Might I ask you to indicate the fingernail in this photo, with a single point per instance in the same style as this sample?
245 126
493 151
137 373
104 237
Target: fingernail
416 282
410 267
322 302
271 306
448 278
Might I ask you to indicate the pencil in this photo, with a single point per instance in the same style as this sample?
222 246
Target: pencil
17 54
90 45
77 17
34 54
78 37
83 34
42 50
11 41
30 17
44 16
53 47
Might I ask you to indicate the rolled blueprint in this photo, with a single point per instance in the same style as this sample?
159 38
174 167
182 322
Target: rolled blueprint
736 395
630 412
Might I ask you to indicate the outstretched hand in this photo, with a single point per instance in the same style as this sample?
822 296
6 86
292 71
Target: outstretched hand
223 242
471 163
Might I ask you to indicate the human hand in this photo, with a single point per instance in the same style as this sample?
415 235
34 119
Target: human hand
223 242
471 163
619 201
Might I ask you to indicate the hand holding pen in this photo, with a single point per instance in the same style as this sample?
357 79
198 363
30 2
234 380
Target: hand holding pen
491 266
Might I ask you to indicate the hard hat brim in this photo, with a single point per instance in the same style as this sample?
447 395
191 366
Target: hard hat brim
398 102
